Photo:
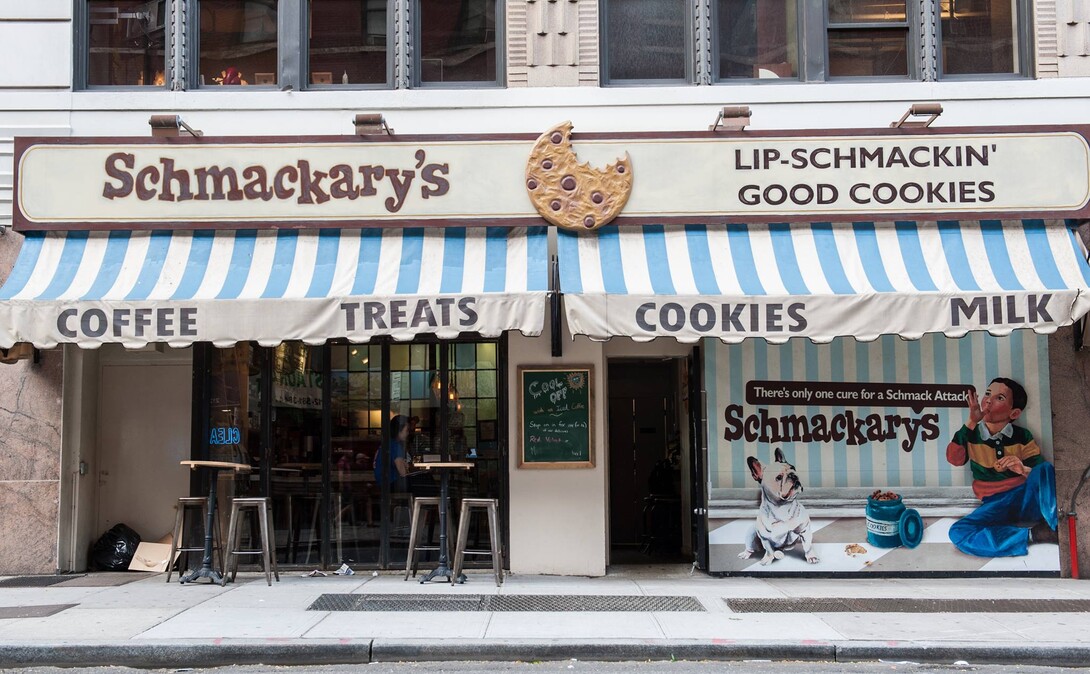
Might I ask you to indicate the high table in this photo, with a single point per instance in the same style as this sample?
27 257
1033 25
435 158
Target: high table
443 468
206 570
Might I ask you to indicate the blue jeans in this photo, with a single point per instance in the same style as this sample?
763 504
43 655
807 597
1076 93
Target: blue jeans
992 529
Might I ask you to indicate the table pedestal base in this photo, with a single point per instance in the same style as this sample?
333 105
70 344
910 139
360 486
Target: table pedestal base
202 573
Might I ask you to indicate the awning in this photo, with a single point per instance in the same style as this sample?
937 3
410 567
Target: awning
270 286
823 280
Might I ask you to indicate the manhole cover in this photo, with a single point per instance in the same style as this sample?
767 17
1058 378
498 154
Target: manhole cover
34 581
8 612
902 605
513 602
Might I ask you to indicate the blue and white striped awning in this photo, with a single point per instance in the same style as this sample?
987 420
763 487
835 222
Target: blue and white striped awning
269 286
823 280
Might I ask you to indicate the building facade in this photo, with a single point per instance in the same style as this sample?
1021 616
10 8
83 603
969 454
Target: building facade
674 329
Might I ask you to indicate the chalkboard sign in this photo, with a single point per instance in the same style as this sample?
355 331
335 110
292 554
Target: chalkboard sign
555 417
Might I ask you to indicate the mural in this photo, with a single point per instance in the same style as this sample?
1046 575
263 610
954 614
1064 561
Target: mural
927 455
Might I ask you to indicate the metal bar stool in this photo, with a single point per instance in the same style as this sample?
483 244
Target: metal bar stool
489 507
261 508
412 560
177 545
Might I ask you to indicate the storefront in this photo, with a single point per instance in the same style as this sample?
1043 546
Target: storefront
318 292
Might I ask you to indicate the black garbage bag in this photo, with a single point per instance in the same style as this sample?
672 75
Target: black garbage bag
114 550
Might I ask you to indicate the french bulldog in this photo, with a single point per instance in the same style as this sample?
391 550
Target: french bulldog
782 521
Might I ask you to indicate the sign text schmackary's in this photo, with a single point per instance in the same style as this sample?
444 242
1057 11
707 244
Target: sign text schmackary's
299 181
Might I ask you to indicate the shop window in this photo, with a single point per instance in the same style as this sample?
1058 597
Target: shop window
456 41
268 407
123 43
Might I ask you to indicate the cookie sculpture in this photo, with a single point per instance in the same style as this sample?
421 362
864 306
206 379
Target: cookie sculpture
573 195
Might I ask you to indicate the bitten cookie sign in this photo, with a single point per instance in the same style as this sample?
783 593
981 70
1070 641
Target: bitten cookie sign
573 195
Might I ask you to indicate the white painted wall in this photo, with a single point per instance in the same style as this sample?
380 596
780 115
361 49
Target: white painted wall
558 517
144 417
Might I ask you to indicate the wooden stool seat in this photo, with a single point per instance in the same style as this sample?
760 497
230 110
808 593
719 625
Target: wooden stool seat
418 505
261 508
177 545
488 505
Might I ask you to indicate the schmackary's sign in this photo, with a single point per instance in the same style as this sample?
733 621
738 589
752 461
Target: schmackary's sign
697 177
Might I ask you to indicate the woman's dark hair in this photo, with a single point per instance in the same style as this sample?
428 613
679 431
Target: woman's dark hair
397 423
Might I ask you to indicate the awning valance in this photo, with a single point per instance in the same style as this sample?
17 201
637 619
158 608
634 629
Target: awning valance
823 280
268 286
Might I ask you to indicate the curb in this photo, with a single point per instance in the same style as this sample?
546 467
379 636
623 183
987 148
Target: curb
297 652
388 650
976 653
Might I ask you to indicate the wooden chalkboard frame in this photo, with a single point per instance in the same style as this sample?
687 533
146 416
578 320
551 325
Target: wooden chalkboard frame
520 384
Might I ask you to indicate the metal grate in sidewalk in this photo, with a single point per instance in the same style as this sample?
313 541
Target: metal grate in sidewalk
34 581
904 605
510 602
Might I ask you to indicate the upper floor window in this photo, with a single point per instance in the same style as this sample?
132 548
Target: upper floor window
348 42
647 40
982 36
237 42
656 41
456 41
124 43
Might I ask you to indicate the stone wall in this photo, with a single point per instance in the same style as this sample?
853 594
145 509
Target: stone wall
30 448
1070 372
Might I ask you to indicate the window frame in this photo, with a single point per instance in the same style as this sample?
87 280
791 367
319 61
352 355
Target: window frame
689 48
913 25
414 41
923 46
284 62
800 39
1024 51
304 54
81 40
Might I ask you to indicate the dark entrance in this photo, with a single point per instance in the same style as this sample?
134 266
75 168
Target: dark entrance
645 466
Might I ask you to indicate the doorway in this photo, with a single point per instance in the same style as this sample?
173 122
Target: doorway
646 489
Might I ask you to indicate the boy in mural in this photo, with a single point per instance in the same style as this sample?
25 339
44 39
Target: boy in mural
1015 483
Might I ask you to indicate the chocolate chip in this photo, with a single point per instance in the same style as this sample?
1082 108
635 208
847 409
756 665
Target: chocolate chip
597 197
556 138
568 183
547 164
588 221
555 205
532 184
620 169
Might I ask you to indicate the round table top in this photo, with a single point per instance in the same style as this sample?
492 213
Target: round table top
194 465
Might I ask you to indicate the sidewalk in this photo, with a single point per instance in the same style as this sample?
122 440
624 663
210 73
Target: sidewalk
140 620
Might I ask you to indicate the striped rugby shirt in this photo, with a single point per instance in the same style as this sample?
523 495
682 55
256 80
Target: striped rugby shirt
982 450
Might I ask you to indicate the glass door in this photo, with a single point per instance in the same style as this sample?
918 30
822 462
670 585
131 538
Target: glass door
357 436
296 468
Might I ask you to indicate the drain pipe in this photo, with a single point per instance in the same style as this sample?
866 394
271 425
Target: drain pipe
1072 521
